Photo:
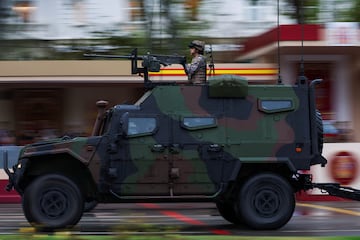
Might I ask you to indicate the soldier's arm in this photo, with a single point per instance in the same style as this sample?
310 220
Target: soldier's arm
193 67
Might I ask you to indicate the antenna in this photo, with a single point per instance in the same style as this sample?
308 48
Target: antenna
302 79
160 20
278 42
211 64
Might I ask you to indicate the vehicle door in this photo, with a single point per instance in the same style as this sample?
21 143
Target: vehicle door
196 154
143 162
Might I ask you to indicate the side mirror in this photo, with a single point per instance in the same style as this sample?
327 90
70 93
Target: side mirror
124 120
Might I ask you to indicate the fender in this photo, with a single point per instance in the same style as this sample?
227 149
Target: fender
264 161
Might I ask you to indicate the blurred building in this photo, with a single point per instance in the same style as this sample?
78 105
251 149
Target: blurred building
42 99
86 19
330 52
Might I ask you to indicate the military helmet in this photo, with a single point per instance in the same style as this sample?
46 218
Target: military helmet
197 44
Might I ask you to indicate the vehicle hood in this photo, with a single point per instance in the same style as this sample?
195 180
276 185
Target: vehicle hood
80 147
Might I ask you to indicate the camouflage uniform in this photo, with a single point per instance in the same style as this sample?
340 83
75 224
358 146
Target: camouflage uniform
197 70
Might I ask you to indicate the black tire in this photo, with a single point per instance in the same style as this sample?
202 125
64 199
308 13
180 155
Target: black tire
52 202
228 211
266 201
320 130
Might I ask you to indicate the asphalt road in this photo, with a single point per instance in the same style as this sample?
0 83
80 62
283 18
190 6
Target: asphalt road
310 219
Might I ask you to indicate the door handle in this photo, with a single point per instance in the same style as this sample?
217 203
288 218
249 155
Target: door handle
215 148
174 148
158 148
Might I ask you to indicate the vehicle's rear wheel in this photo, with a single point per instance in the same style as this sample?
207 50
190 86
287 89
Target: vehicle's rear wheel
228 211
52 202
266 201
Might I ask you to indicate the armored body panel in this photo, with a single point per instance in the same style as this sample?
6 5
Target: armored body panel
225 141
184 141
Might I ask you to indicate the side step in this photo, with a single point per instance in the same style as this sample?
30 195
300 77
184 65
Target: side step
335 189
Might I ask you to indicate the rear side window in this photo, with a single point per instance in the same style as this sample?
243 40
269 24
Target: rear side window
140 126
276 105
195 123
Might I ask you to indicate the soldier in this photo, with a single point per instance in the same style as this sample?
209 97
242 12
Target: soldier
196 70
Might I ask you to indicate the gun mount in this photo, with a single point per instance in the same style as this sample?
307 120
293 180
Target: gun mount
150 63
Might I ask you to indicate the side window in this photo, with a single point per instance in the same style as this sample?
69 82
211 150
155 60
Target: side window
276 105
195 123
140 126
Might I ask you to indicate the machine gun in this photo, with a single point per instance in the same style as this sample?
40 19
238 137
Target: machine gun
150 63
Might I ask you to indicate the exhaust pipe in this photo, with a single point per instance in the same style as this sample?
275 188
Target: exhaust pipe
101 105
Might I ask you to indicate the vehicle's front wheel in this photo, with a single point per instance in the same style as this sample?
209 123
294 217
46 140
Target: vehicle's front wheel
52 202
266 201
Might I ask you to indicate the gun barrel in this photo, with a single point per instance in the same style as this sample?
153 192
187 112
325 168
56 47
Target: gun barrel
109 56
170 59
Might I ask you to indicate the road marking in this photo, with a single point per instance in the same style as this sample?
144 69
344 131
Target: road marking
332 209
182 218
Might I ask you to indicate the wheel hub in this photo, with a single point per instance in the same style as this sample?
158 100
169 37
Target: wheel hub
266 203
53 203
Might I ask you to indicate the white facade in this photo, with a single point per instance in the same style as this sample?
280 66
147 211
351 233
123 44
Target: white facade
240 18
74 19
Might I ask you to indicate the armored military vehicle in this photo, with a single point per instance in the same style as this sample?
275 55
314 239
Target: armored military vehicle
238 145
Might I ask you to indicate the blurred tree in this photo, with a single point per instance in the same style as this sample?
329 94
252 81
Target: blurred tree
165 23
192 9
351 14
342 10
158 21
4 14
137 12
303 11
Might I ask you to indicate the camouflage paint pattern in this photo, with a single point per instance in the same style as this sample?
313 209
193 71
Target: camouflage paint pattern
264 124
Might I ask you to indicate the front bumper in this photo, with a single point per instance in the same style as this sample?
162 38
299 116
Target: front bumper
10 185
14 175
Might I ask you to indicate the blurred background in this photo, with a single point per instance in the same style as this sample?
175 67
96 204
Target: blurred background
48 88
63 29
